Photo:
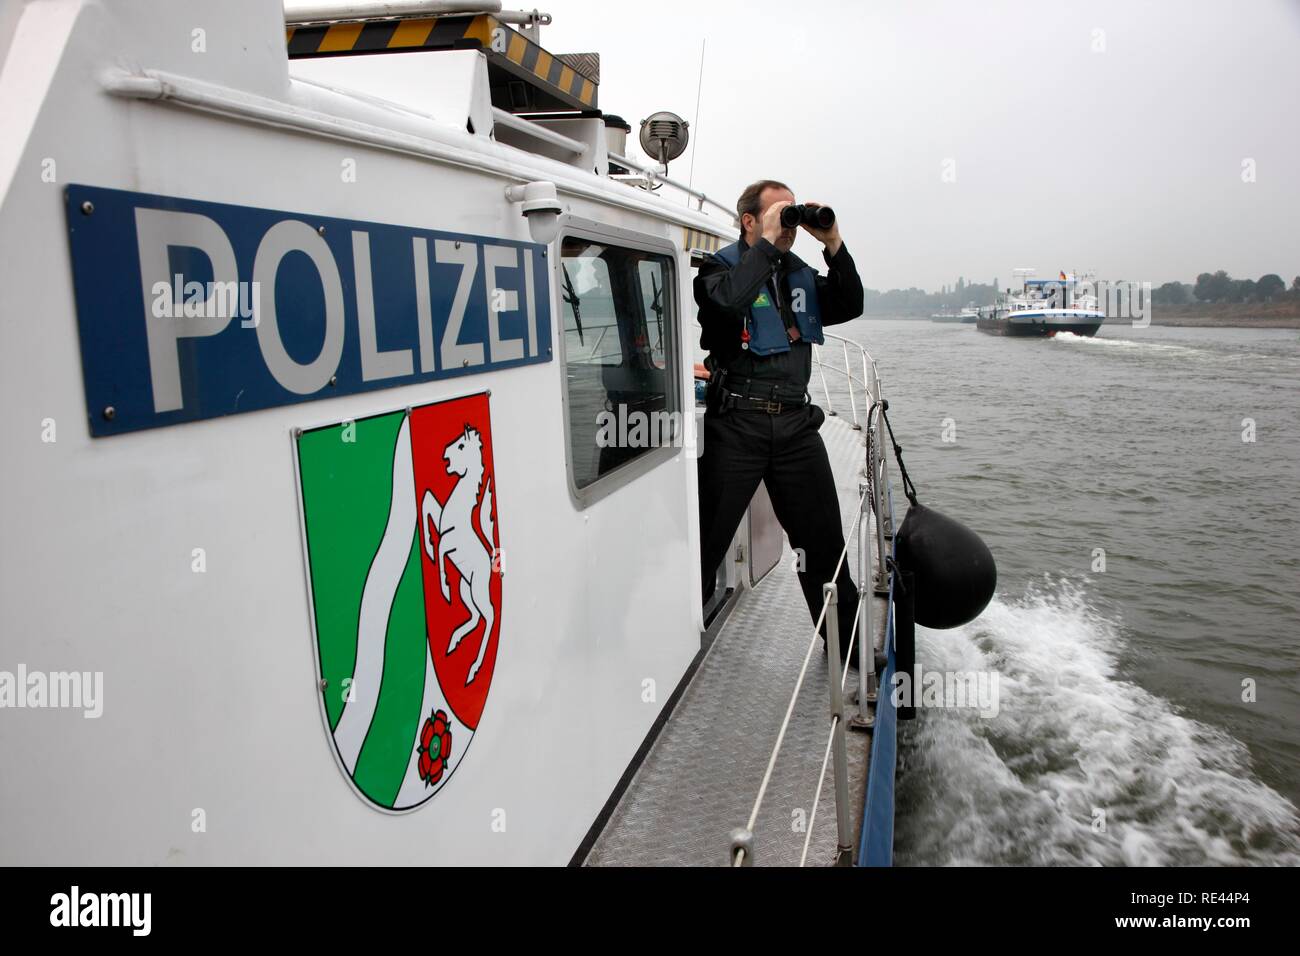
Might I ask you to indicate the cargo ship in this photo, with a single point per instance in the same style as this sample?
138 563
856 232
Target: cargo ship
1044 307
967 316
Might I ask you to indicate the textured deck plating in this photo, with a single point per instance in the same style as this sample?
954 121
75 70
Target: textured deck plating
699 780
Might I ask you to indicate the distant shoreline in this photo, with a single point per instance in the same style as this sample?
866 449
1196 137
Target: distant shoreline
1222 321
1229 315
1161 318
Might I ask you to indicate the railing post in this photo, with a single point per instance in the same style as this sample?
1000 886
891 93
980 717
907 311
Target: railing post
848 376
844 849
817 360
887 523
880 580
866 639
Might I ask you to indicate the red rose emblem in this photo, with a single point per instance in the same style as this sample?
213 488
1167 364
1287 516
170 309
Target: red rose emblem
435 747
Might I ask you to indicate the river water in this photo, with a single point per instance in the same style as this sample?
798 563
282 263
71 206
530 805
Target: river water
1149 708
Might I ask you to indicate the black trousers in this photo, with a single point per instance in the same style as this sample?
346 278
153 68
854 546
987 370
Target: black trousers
742 448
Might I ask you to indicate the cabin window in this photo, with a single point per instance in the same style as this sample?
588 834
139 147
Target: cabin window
618 310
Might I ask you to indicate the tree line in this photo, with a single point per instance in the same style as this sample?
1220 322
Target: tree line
1221 287
1209 287
914 300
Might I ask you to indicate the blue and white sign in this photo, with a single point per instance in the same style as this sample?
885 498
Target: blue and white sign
188 310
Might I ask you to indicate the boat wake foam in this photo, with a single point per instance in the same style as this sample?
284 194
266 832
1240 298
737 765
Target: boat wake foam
1079 766
1069 338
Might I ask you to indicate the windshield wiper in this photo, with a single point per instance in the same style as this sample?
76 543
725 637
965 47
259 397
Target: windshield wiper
570 297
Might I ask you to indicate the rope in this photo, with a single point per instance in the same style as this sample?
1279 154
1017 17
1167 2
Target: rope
863 597
817 797
789 711
909 489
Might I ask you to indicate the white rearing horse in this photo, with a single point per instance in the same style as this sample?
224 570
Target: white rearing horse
459 543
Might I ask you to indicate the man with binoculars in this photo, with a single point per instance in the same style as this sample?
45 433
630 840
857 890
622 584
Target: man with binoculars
761 309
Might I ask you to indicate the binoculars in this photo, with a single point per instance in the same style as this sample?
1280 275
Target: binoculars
821 217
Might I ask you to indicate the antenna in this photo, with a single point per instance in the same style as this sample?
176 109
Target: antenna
699 89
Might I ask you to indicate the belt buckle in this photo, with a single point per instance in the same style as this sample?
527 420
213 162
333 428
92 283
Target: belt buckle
772 408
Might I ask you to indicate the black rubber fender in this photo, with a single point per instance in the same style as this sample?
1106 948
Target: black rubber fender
953 569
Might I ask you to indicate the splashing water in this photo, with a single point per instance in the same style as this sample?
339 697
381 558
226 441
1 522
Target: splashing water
1107 342
1079 766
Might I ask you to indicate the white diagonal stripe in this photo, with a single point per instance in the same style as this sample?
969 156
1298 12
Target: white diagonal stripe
377 604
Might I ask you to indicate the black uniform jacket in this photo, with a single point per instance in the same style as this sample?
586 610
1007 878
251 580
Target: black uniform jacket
723 294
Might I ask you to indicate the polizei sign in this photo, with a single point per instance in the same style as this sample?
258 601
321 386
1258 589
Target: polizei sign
189 310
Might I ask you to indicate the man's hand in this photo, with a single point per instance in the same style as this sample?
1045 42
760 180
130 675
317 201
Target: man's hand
772 227
830 238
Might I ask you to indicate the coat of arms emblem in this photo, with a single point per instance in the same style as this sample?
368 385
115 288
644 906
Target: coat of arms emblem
404 579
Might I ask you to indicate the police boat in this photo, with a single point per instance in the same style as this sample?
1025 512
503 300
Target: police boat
350 501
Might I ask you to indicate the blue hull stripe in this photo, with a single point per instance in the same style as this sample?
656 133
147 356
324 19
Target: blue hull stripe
876 847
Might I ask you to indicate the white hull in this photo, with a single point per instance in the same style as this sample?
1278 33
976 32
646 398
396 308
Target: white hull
210 705
1055 317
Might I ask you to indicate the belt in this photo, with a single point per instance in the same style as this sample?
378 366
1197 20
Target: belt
771 397
770 406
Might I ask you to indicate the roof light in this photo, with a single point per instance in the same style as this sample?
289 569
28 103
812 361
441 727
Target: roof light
541 207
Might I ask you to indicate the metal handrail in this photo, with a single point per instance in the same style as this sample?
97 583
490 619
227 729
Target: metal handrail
297 12
870 380
525 127
871 384
832 624
874 494
653 175
835 719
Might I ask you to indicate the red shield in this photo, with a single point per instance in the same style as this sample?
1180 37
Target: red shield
455 490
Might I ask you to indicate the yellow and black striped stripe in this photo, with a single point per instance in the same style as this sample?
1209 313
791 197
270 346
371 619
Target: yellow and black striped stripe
506 48
693 240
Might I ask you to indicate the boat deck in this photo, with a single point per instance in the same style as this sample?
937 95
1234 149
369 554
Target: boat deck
700 777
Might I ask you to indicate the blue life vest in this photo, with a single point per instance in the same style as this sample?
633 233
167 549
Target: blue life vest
767 333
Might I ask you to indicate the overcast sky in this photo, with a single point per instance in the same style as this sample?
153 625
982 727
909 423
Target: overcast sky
1127 160
964 138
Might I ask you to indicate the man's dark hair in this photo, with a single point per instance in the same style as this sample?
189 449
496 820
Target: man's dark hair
750 200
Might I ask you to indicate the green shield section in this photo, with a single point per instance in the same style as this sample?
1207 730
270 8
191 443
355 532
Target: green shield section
390 744
347 485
